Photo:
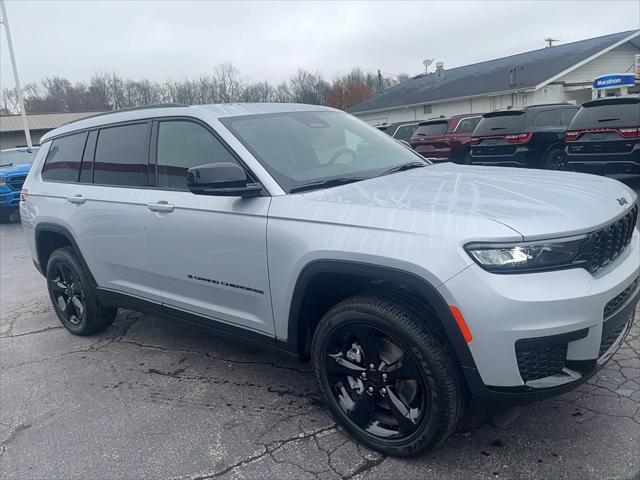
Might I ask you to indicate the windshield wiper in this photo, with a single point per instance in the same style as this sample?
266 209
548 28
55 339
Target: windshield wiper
7 165
405 166
334 182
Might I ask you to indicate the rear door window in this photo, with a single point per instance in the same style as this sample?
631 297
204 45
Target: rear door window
64 157
500 124
122 155
430 129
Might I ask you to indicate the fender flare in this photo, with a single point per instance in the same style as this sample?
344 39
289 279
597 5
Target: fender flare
426 291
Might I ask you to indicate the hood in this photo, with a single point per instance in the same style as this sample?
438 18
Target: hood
15 170
535 203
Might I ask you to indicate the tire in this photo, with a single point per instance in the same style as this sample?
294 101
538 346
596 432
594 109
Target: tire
73 295
555 159
415 368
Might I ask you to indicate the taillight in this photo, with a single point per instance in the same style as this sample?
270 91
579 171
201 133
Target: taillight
24 193
518 137
571 136
633 132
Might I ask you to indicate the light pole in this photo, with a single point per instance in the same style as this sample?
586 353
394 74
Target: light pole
23 113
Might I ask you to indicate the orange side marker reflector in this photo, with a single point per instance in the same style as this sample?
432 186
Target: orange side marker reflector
462 325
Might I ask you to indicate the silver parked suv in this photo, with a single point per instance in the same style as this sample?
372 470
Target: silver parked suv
410 286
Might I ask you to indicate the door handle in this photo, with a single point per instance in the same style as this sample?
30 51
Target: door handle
77 199
160 206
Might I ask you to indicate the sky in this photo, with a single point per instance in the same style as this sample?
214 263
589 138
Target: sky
271 40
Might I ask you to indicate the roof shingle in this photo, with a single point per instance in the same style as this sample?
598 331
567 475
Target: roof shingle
491 76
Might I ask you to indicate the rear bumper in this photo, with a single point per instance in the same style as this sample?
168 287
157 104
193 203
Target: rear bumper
538 335
606 163
520 158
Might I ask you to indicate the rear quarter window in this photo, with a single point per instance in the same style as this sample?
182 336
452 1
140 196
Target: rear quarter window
566 115
544 118
614 115
64 157
467 125
404 132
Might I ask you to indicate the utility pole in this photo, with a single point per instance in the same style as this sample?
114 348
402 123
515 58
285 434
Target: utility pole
23 113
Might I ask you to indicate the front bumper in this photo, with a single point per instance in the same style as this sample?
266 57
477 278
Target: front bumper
541 334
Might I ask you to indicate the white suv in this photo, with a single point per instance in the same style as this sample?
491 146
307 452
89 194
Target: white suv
409 285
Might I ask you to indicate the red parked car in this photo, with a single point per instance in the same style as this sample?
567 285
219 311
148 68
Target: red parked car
445 139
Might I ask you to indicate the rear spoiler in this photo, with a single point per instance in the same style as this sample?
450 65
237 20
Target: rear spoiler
612 101
433 122
503 113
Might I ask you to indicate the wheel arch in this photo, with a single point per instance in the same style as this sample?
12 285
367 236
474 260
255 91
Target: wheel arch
560 145
51 236
373 277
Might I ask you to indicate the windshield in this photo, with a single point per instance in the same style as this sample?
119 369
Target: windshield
17 157
299 148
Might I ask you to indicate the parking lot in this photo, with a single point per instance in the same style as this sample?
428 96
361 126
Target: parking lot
156 399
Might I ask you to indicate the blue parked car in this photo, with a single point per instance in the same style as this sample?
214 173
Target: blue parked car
14 167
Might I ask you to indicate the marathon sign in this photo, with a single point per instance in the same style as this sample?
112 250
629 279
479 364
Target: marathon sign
614 80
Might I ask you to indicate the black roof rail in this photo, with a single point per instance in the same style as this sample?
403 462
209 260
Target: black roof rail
129 109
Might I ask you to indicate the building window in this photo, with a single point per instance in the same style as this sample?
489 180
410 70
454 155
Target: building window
426 109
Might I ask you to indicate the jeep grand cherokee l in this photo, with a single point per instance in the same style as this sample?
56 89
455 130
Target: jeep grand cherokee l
445 139
409 285
604 136
532 137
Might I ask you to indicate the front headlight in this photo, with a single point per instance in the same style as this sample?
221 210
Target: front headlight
3 182
528 256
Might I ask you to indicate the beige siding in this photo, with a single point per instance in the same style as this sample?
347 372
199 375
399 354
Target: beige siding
17 139
619 60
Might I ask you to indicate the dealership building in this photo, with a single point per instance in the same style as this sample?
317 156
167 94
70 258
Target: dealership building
12 129
572 72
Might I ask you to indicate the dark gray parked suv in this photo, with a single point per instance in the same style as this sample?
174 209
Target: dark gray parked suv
532 137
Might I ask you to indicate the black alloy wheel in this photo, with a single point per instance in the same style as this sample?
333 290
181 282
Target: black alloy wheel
556 160
375 381
388 379
73 294
67 293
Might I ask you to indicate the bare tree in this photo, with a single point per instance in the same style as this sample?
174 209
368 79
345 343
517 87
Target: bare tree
107 91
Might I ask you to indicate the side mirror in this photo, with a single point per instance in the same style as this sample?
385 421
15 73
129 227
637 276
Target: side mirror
225 179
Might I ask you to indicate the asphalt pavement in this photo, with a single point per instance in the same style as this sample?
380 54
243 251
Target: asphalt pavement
153 398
